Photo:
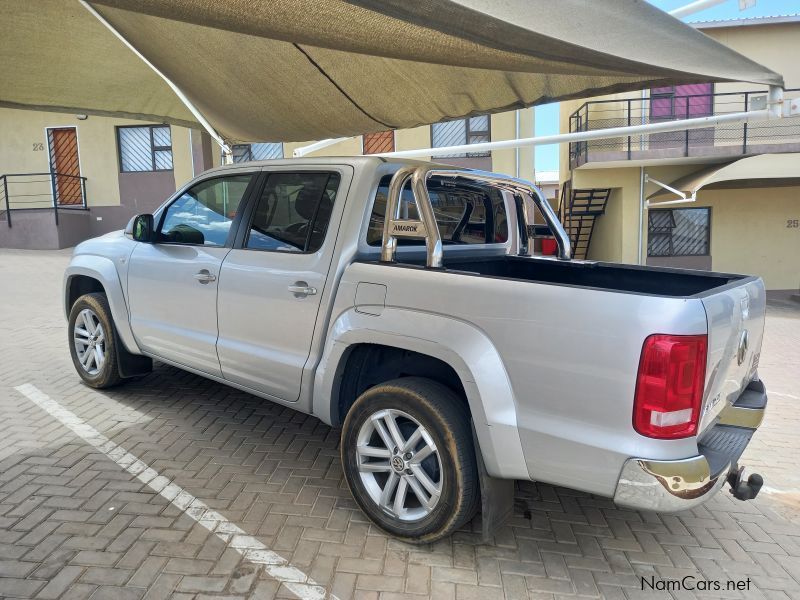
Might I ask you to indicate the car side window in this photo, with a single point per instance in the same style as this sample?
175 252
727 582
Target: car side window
203 214
466 212
293 212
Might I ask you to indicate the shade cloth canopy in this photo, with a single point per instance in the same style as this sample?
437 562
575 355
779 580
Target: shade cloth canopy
294 70
764 170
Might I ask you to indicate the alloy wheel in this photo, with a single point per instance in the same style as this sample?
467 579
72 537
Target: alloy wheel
90 341
399 464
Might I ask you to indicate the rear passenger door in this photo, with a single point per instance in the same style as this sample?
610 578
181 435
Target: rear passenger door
272 281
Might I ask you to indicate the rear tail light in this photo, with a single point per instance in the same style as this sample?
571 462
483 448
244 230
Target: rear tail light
669 386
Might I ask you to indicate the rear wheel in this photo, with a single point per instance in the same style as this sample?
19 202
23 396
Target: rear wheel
92 341
408 457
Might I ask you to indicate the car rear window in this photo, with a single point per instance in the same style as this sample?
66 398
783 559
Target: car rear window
466 212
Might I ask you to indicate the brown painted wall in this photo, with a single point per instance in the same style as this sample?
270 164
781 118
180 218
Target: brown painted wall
141 193
35 229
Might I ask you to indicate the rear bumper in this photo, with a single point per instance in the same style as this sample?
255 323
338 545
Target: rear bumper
674 485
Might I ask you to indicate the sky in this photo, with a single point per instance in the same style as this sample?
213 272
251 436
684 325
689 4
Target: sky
547 115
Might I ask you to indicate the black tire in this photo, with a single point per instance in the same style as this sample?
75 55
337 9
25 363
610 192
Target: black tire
444 415
108 375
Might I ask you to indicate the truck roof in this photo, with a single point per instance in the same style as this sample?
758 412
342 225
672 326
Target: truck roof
355 161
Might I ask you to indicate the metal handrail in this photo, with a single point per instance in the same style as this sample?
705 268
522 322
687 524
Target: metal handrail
426 228
626 111
52 176
714 94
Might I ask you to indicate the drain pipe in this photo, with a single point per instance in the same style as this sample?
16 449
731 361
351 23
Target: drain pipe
642 179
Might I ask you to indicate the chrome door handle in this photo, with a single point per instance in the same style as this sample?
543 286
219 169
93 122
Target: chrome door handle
205 276
301 289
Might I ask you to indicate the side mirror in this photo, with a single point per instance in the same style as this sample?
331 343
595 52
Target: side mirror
143 229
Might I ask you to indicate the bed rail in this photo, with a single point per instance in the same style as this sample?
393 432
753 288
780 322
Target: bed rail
399 226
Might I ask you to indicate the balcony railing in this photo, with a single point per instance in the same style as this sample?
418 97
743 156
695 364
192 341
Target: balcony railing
721 141
40 191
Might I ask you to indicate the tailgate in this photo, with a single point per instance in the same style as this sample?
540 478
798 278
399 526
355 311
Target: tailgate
735 316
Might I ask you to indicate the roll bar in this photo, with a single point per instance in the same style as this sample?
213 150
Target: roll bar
395 226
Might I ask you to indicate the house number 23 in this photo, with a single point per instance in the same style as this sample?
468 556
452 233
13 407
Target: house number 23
38 147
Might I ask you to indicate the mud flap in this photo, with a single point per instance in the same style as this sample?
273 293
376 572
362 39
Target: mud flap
131 365
497 496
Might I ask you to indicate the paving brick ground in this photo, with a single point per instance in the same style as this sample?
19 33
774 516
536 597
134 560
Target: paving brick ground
73 524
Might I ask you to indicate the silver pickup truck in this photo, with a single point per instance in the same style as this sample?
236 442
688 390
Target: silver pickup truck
404 302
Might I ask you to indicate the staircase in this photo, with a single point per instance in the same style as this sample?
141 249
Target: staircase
578 210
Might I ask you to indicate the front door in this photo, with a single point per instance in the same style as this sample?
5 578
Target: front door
62 143
271 283
172 284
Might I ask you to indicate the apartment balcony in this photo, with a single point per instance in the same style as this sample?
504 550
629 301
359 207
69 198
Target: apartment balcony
706 145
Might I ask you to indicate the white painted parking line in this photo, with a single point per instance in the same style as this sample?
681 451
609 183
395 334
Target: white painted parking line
300 584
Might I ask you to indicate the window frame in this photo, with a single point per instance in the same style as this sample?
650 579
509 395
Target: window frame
153 148
707 209
246 222
255 177
469 134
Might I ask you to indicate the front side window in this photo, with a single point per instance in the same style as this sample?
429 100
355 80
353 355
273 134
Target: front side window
473 130
146 148
678 232
203 214
293 212
466 212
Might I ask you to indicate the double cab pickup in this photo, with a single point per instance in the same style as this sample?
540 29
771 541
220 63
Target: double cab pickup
405 302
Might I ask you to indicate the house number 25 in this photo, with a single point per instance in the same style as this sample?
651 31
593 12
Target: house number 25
793 223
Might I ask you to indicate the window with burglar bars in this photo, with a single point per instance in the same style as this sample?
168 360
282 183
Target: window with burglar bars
473 130
144 148
376 143
258 151
679 232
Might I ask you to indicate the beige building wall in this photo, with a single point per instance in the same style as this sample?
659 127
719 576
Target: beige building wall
749 232
504 127
615 236
24 149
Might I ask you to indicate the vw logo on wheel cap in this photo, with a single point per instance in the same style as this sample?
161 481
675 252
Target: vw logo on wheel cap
398 464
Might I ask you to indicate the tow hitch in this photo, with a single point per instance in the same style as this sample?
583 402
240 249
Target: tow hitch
744 490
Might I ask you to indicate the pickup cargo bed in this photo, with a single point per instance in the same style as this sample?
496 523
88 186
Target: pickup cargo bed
659 281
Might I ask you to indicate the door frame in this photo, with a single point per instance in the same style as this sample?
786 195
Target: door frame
49 158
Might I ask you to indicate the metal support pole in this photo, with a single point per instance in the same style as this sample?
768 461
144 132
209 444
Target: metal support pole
54 187
8 203
83 191
629 124
181 96
744 125
516 136
686 148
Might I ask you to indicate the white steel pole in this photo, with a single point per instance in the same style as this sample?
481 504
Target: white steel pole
226 150
693 7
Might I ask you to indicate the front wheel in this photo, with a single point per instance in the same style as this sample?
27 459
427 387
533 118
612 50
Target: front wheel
408 457
92 341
